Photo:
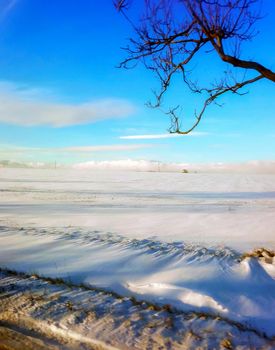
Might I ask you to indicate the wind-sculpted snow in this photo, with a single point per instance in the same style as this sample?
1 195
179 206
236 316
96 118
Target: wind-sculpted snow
189 277
150 245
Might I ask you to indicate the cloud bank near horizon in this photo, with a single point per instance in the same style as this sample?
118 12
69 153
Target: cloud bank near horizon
252 167
33 107
257 166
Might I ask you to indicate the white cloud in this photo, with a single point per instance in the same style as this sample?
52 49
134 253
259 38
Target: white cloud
21 106
161 136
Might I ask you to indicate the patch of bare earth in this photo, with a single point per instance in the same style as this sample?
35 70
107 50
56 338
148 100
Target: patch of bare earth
263 254
40 313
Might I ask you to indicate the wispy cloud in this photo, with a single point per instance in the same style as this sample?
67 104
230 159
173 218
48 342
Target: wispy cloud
73 149
161 136
103 148
6 6
26 107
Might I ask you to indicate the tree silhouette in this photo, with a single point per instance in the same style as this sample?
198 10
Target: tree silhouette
171 33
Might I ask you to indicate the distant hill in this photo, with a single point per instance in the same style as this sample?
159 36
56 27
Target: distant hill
14 164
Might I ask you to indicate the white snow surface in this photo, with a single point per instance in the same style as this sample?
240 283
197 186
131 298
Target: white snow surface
164 237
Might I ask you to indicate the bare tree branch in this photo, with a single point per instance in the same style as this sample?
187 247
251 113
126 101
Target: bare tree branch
175 126
171 33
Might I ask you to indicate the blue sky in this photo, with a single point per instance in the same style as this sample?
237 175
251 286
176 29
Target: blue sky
63 99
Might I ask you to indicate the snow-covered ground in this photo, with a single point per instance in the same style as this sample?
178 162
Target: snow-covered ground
168 238
235 210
